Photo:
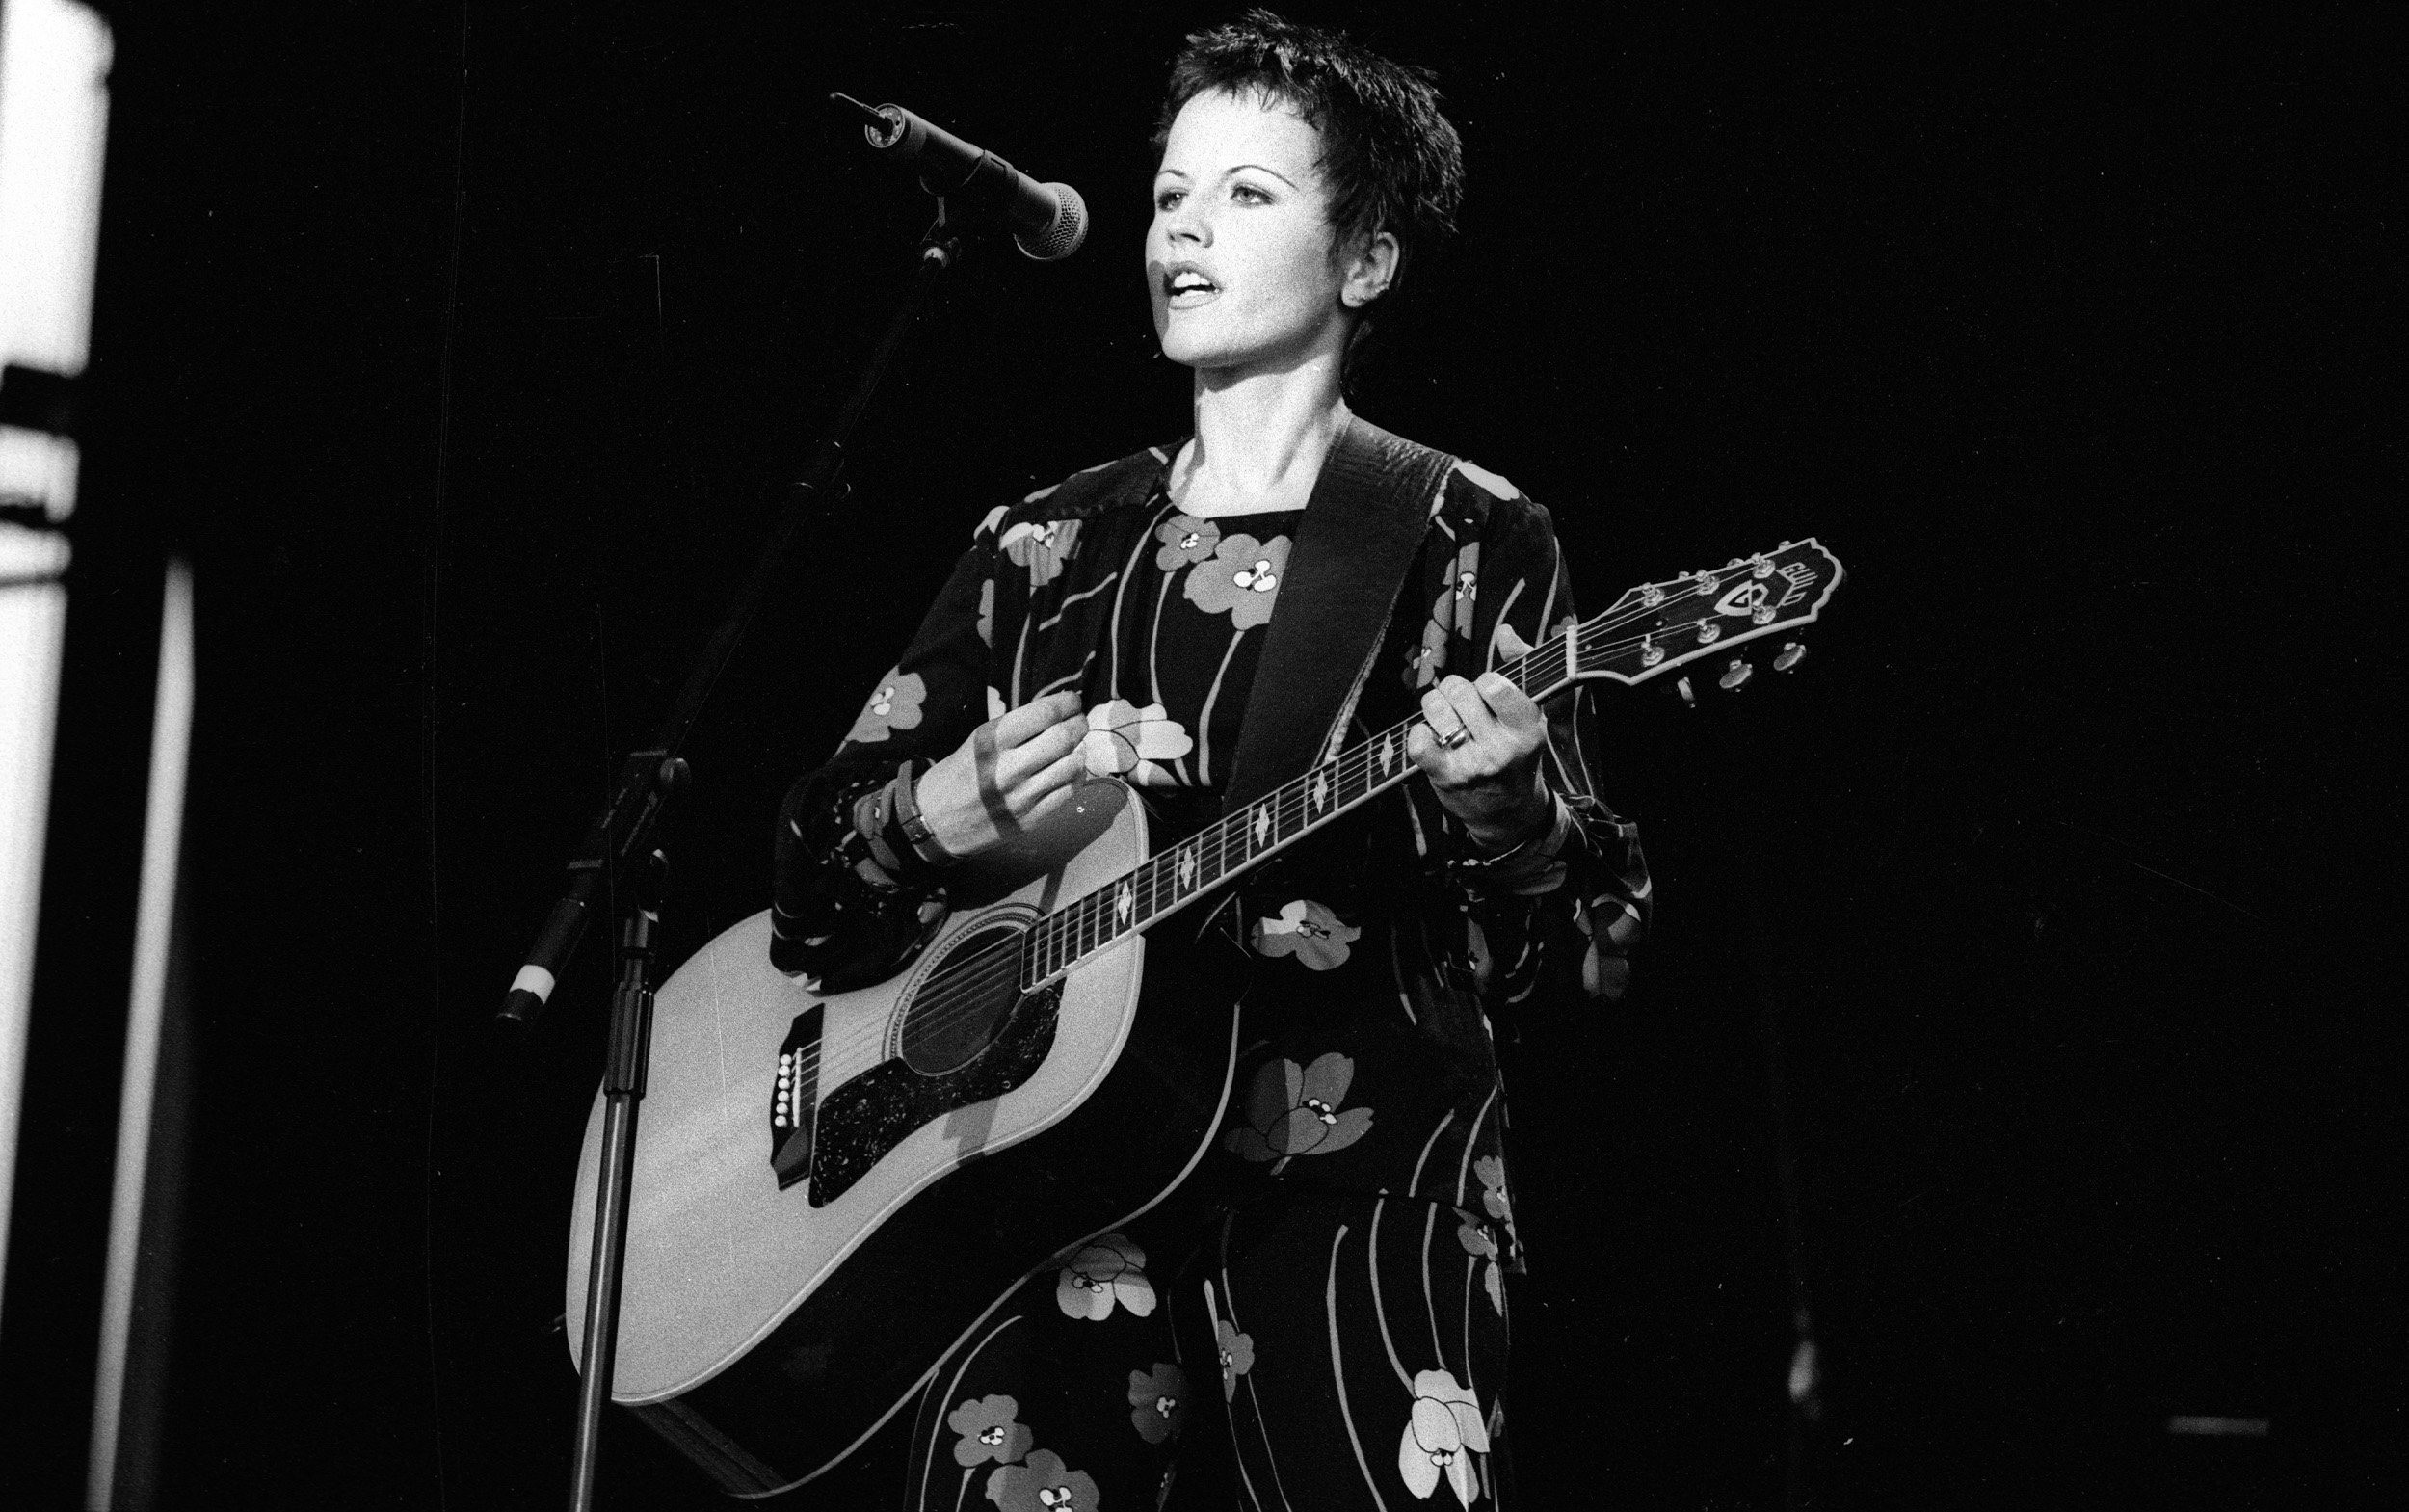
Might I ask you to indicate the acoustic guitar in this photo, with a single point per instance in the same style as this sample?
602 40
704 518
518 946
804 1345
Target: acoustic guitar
831 1189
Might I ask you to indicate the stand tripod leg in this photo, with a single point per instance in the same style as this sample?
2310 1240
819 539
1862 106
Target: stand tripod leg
622 1090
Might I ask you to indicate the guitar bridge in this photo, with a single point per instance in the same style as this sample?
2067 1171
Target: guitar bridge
794 1098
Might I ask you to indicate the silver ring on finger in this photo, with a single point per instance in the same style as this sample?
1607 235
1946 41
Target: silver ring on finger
1456 737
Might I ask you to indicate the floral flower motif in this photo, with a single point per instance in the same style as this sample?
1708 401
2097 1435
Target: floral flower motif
1450 615
990 1430
1158 1402
1186 539
1242 578
1495 1202
1045 1484
1124 738
1440 1438
1479 1242
1308 931
1042 546
1426 661
1098 1275
894 705
1493 1195
1454 607
986 612
1238 1356
1293 1110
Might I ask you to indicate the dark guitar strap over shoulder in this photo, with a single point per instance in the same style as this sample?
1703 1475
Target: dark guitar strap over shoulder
1362 524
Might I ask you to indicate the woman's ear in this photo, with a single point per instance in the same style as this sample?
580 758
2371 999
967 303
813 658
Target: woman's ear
1371 270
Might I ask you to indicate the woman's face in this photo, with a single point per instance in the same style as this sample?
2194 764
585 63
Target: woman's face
1239 257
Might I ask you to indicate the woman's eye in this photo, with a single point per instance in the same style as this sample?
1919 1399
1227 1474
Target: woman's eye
1248 194
1167 199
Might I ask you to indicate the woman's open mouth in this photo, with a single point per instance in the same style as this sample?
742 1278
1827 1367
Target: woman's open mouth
1186 288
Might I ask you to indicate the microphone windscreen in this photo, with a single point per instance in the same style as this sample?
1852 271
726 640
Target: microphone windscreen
1063 236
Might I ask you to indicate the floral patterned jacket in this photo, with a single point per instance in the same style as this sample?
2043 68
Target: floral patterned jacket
1383 942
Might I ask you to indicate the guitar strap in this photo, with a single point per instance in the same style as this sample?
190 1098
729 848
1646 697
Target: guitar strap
1364 522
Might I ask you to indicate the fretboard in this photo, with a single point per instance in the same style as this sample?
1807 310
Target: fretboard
1164 883
1649 630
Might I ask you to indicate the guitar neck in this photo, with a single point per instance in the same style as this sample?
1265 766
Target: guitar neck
1649 630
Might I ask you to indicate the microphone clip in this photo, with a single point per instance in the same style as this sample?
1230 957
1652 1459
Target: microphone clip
1047 222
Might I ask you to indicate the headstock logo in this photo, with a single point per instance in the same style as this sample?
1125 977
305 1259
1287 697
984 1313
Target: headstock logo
1744 601
1749 596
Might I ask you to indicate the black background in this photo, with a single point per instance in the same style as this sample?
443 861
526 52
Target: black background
467 352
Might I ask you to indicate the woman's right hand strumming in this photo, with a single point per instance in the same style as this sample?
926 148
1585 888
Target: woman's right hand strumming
1010 775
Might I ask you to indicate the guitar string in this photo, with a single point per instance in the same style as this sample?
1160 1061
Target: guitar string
968 983
974 977
964 987
1539 666
1151 880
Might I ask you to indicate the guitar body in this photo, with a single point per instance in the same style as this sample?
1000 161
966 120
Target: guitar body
831 1190
802 1251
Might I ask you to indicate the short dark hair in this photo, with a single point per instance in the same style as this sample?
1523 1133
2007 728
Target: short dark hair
1392 161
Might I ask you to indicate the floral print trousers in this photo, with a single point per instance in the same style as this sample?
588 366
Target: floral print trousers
1302 1351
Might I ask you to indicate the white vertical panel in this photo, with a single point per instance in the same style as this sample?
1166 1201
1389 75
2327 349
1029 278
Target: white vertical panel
54 64
33 622
54 117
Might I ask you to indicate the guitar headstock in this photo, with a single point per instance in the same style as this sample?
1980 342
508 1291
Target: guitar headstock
1657 626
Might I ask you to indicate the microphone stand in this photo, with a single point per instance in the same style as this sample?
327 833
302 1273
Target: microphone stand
625 833
623 1088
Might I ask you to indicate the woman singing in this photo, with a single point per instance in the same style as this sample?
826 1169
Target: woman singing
1317 1319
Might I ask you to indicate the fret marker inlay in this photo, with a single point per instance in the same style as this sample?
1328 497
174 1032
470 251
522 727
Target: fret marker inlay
1603 646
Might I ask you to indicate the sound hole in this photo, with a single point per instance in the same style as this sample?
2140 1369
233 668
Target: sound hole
963 1002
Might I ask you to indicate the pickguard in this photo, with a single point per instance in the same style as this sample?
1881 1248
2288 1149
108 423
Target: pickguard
859 1122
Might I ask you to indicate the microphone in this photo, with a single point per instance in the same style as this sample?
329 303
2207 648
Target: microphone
1048 221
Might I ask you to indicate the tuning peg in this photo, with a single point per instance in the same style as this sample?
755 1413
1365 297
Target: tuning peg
1791 655
1735 676
1688 695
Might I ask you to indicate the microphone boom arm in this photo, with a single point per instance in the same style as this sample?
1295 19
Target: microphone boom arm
625 830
